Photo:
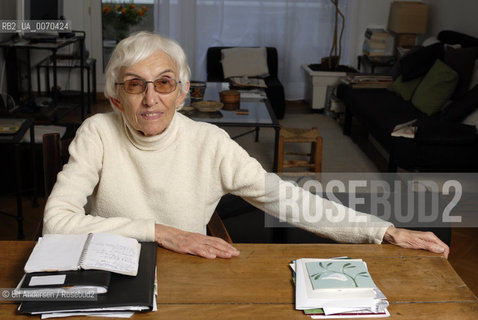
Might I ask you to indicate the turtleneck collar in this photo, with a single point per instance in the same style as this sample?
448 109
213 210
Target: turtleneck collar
151 143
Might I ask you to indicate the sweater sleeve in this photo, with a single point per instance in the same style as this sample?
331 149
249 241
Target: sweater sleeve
65 208
243 176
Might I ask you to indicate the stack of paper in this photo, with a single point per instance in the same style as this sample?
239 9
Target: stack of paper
371 81
248 82
337 288
247 95
406 130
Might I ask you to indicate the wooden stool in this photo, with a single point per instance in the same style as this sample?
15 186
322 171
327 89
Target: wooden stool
296 135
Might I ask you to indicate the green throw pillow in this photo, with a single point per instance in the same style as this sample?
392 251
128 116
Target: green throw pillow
404 88
436 88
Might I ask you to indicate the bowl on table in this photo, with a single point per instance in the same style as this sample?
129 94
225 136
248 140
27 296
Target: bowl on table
207 106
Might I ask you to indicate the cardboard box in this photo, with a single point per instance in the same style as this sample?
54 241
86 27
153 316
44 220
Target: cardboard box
408 17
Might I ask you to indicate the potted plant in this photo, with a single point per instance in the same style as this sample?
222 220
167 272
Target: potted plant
329 71
119 17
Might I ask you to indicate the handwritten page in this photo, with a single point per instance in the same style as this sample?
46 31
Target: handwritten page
99 251
112 253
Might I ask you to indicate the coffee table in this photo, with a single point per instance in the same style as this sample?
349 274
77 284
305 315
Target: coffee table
260 115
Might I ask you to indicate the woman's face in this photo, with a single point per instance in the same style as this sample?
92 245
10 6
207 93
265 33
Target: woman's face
150 112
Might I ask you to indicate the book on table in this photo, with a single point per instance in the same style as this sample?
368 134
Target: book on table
337 288
376 34
247 82
126 294
339 275
10 125
99 251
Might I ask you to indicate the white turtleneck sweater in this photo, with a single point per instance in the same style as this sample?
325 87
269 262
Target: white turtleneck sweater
121 182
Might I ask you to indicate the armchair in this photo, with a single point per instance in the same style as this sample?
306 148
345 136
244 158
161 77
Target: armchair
274 90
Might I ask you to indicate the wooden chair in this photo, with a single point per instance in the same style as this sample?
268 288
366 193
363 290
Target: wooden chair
297 135
216 228
52 164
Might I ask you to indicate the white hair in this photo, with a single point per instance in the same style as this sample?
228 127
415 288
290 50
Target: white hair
138 47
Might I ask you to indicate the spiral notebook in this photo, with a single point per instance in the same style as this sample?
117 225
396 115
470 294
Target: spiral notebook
98 251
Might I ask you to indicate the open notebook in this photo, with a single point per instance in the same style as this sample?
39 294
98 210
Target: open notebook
99 251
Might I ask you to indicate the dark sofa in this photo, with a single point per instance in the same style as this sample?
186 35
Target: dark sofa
442 143
274 90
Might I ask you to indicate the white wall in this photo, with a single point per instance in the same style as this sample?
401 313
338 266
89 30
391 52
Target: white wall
456 15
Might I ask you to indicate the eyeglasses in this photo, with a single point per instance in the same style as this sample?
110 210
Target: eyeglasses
161 85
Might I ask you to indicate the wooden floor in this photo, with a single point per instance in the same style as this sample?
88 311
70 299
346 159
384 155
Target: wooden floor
464 245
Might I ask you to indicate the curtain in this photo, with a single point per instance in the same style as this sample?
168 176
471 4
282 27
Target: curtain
301 30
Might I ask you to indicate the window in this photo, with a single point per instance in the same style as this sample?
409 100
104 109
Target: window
301 30
120 18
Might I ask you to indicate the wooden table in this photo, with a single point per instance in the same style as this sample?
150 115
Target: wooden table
257 284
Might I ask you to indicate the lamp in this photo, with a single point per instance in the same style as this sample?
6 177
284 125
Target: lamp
408 17
406 20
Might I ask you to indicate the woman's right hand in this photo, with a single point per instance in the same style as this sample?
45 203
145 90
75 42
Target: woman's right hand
193 243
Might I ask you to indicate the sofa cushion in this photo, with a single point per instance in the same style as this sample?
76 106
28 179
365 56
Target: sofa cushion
459 109
417 63
250 62
462 61
435 89
404 89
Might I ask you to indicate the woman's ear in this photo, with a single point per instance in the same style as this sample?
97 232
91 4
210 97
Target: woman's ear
183 95
117 104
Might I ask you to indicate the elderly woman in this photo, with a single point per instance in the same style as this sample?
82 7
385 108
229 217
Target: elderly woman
148 172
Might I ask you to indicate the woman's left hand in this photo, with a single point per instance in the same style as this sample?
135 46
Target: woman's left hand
193 243
416 240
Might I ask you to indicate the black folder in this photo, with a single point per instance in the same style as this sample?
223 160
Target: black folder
73 279
124 292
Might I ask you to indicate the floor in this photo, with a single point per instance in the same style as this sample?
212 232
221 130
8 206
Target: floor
464 244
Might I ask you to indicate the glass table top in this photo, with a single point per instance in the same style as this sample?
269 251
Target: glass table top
258 112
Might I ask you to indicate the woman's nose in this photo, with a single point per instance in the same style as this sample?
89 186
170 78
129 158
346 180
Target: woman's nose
150 96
